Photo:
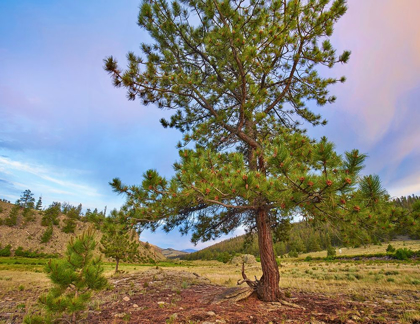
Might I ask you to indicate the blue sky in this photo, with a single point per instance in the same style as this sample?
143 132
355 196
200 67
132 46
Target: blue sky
66 131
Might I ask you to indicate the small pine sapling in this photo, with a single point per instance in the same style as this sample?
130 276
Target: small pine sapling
74 277
118 241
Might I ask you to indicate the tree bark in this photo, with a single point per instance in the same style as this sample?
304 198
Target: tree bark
116 266
268 286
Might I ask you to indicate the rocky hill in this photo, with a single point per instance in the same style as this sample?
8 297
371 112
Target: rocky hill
28 233
172 253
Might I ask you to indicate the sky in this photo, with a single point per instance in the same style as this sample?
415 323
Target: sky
65 131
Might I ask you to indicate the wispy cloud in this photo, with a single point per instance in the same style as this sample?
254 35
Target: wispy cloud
45 174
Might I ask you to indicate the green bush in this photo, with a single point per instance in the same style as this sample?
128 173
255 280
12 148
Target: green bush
331 251
308 258
46 237
11 220
30 254
293 254
403 254
6 251
390 248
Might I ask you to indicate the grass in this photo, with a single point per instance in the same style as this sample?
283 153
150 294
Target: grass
361 281
370 249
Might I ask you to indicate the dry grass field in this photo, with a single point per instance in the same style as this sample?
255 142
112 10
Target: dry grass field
369 291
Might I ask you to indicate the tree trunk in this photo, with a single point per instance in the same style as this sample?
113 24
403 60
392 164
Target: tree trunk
268 286
116 266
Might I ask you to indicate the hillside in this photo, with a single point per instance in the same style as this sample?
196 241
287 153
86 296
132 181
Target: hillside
172 253
302 238
27 234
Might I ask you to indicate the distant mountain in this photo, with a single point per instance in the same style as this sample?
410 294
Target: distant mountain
189 250
172 253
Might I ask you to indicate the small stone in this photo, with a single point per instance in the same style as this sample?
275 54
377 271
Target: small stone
181 308
161 302
388 301
210 313
135 305
126 299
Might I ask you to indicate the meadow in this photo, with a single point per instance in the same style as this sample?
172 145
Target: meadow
376 290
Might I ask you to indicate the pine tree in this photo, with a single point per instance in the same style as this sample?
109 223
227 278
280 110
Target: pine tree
118 241
50 215
239 76
27 199
11 220
39 204
74 277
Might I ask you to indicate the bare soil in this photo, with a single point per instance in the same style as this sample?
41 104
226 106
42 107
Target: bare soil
159 297
28 235
168 296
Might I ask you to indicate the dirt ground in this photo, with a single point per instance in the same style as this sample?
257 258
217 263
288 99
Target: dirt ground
169 296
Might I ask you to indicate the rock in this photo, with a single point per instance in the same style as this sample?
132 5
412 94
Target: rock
388 301
135 305
246 258
126 298
210 313
161 302
120 315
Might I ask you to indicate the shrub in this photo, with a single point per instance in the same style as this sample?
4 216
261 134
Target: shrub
308 258
403 254
6 251
390 248
31 254
293 254
331 251
11 220
46 237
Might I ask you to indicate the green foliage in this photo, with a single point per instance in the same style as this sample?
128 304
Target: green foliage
20 252
27 199
6 251
37 319
69 225
390 248
240 76
11 220
50 215
46 236
94 217
74 277
39 204
28 215
118 240
293 254
403 254
331 252
72 215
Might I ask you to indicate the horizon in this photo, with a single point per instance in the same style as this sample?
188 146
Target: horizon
67 131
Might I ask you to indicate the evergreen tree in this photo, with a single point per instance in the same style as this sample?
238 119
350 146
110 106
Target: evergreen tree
39 204
27 199
11 220
74 277
46 236
240 75
118 241
50 215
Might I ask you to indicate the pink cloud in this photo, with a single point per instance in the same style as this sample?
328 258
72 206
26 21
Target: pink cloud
385 41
